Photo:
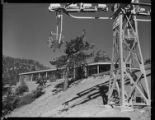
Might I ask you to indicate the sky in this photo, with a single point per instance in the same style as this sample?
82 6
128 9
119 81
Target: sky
26 30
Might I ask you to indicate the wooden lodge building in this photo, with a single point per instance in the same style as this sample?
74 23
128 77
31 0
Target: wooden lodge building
92 68
51 74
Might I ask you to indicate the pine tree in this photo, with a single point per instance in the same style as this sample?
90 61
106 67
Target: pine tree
76 52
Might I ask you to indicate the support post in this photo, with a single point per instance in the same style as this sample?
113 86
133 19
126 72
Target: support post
46 74
20 79
74 72
98 69
32 77
39 75
121 61
85 71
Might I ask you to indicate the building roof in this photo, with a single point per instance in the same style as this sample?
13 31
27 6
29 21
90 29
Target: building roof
39 71
99 63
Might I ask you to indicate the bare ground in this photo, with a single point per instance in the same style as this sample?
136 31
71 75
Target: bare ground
85 99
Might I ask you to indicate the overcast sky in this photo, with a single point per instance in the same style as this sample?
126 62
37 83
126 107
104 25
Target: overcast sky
26 29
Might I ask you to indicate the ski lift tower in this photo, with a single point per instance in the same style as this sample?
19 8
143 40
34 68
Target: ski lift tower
128 79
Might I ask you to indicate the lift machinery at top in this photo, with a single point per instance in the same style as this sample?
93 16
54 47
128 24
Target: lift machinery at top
128 84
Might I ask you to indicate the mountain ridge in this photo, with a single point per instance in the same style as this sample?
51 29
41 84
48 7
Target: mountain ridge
13 66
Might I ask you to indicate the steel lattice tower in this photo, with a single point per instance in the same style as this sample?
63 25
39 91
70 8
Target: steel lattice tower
128 75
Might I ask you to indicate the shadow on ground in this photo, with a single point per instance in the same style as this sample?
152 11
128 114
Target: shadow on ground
90 94
59 87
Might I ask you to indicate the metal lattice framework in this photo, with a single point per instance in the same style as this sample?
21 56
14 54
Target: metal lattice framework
128 76
131 80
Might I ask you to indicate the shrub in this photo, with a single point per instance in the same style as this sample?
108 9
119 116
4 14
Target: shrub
21 89
9 104
40 81
13 101
53 78
27 99
38 92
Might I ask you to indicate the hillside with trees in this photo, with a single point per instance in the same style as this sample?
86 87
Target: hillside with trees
13 66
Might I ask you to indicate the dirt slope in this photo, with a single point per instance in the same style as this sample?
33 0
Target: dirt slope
84 100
